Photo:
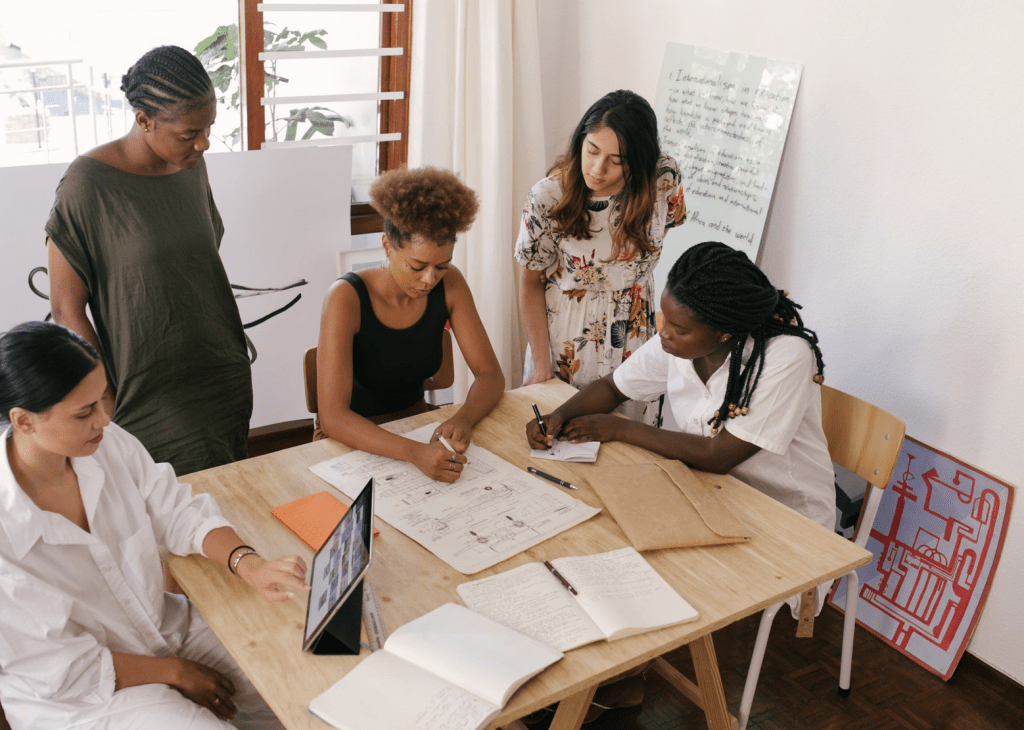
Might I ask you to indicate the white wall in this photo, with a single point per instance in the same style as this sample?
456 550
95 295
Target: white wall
900 204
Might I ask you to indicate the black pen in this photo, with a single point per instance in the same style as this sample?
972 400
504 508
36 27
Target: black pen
550 478
540 421
558 575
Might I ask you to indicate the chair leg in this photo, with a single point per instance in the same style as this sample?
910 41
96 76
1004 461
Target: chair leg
755 663
872 499
849 624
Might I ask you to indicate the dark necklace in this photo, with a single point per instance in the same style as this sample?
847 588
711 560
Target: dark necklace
599 205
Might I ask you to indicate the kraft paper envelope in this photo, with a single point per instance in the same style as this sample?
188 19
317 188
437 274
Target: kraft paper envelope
664 505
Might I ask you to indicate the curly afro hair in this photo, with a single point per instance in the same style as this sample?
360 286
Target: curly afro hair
427 201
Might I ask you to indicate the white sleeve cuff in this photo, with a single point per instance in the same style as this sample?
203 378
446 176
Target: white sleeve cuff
210 523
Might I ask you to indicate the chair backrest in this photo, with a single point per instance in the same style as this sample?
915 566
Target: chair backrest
862 438
309 379
443 378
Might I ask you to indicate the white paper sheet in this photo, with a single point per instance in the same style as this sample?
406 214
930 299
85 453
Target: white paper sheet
494 510
568 451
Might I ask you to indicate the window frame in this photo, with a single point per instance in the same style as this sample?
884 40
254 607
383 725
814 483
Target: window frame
395 75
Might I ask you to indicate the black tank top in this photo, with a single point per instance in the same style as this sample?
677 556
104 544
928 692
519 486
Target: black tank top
389 365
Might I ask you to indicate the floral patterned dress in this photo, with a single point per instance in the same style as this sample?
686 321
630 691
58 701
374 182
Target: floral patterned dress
599 311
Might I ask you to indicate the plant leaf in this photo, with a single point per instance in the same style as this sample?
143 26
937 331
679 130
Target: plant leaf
231 52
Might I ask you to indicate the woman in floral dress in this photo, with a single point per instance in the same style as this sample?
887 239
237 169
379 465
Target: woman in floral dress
590 238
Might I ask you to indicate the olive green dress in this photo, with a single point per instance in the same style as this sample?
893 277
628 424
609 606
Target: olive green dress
146 248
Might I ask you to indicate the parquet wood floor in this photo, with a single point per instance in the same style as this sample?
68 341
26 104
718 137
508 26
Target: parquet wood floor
797 689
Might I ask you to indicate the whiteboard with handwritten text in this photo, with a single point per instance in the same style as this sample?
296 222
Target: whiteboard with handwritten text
724 117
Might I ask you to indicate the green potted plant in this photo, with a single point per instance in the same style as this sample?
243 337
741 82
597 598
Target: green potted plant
220 55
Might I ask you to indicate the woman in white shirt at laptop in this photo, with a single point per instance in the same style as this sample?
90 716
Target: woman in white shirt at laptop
740 373
88 637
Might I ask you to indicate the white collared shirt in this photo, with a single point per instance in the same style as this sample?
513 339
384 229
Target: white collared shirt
793 465
69 597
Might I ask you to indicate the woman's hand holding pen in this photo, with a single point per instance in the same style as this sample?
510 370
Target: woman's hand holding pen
455 432
267 576
437 461
536 438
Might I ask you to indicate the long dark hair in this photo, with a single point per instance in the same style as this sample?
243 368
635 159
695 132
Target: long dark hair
40 363
167 81
636 127
726 291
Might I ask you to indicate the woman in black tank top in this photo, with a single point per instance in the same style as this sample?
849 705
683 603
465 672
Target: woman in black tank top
381 330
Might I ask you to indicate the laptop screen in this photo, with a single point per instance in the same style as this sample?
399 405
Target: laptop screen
340 564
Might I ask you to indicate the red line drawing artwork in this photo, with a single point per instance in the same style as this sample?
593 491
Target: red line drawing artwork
936 541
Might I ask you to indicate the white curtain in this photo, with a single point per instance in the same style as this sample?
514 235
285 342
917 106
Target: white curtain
475 108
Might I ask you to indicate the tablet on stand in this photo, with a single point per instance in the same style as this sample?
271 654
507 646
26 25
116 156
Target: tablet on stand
334 612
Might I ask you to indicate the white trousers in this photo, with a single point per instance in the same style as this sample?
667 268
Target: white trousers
159 707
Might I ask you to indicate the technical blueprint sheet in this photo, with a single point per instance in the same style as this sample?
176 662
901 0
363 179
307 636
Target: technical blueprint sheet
494 510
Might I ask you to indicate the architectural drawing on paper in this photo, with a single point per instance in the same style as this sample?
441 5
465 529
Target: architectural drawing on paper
493 511
936 541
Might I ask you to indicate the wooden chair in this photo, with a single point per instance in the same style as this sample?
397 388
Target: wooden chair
443 378
865 440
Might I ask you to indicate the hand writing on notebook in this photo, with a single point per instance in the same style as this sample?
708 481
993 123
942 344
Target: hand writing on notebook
552 424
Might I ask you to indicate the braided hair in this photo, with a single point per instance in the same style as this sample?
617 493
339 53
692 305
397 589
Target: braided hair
163 79
725 290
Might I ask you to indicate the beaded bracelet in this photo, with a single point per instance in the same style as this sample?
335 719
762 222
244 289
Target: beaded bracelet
231 554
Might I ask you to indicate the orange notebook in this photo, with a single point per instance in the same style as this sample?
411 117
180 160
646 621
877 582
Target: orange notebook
312 518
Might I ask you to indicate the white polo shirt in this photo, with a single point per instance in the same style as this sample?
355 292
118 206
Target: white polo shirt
793 465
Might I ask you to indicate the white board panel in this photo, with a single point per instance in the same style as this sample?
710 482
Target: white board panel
286 213
724 117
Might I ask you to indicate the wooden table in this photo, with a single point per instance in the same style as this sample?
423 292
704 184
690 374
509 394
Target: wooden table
786 555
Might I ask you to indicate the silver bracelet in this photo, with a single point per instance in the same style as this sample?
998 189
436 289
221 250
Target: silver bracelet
241 554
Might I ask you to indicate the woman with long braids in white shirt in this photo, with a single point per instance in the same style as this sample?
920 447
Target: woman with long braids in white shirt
88 637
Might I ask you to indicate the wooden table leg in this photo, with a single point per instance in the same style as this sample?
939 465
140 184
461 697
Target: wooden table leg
572 710
709 682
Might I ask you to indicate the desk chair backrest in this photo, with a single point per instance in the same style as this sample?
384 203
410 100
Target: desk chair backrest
443 378
866 441
863 439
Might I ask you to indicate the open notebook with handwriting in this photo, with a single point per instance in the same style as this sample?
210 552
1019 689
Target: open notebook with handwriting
618 594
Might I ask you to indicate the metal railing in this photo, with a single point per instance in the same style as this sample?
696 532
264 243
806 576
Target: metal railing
70 88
